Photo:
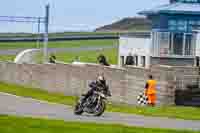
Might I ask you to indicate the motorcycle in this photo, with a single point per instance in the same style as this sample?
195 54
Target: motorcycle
94 104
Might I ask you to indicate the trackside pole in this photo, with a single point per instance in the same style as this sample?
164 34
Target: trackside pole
46 34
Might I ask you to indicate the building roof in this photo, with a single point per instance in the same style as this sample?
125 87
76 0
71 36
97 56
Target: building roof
175 8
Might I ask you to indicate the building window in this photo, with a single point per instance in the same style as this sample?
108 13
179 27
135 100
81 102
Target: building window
183 25
171 44
172 24
136 60
178 44
180 25
166 44
188 44
197 61
193 24
122 59
143 61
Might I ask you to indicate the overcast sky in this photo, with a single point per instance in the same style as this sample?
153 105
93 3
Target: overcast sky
68 15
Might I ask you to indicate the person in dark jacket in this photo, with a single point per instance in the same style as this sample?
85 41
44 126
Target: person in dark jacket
130 60
52 58
102 60
100 83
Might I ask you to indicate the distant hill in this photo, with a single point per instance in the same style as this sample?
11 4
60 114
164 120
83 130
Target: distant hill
128 24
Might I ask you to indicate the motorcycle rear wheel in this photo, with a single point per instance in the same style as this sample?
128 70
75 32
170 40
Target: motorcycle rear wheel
78 110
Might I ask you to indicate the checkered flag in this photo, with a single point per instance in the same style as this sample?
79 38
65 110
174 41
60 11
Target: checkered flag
142 99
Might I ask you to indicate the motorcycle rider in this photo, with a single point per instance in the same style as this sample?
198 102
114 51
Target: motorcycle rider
100 83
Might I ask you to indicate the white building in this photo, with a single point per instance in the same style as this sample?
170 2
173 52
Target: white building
150 49
173 39
138 45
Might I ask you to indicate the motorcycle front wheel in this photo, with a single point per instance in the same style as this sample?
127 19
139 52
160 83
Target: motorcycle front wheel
100 109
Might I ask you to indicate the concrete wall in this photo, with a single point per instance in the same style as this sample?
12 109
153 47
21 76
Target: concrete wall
173 61
165 86
186 76
125 83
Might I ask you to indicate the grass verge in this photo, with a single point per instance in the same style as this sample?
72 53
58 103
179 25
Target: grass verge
68 57
37 94
187 113
57 34
7 57
59 44
12 124
84 56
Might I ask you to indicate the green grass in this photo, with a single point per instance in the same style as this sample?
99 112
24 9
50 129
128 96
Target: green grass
59 44
89 56
180 112
86 56
7 57
36 94
187 113
82 33
58 34
12 124
68 57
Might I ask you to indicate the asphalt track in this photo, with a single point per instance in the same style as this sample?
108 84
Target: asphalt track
27 107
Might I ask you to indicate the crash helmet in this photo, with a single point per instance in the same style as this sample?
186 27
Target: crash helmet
101 79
